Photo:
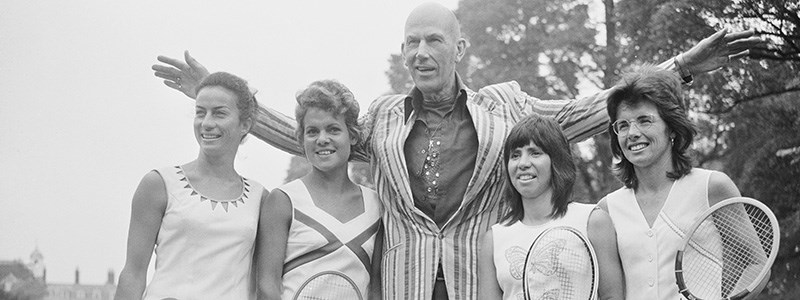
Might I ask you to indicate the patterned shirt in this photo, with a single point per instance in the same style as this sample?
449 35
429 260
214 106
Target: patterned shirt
441 156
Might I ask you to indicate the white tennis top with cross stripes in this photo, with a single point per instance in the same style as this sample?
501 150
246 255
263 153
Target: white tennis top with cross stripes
319 242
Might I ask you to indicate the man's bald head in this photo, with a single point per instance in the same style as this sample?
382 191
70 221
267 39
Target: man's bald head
434 13
431 49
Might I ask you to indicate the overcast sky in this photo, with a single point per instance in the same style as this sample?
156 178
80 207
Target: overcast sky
82 118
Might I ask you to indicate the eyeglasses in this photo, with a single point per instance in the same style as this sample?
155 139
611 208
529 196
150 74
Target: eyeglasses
621 127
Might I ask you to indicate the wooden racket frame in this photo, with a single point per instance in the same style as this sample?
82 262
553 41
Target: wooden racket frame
770 260
353 283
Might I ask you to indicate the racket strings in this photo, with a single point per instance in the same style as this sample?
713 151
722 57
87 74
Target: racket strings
727 251
329 286
561 265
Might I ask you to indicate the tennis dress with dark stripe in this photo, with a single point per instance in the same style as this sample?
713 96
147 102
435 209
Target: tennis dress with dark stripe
319 242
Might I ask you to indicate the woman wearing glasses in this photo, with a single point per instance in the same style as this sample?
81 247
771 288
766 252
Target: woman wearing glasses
637 229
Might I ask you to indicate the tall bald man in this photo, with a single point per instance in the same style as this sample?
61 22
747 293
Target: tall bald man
436 151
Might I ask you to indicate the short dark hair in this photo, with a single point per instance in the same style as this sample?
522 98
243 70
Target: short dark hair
330 96
662 88
245 100
547 134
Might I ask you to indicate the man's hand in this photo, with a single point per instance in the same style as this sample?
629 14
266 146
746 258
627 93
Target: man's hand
182 76
718 50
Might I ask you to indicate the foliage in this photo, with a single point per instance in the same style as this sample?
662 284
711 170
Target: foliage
399 78
298 167
32 289
541 44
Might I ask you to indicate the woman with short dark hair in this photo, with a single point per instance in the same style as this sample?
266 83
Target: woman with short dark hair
201 217
540 174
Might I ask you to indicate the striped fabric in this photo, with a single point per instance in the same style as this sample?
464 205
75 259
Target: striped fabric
414 245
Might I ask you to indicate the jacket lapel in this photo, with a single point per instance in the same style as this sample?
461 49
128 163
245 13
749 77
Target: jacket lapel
491 125
393 159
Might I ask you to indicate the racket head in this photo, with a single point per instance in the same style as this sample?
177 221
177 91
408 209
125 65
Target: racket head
328 285
560 264
728 251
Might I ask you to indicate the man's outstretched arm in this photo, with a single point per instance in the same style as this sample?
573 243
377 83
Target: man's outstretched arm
713 52
270 126
583 118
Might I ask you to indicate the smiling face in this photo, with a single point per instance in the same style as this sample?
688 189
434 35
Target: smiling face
431 48
217 127
326 140
529 169
644 147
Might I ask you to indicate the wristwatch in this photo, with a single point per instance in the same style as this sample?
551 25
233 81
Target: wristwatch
683 71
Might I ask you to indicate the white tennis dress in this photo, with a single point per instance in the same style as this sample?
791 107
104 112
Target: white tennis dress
511 244
648 254
204 248
318 242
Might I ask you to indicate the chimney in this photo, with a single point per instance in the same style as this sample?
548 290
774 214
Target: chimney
110 280
77 276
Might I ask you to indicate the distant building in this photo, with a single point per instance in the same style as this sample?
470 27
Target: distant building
18 278
66 291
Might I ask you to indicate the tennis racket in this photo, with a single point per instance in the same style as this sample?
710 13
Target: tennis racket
328 285
728 251
560 264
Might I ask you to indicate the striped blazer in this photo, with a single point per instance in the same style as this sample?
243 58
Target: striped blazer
413 243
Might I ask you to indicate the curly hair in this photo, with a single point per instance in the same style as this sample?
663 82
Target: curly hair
245 100
661 88
330 96
547 134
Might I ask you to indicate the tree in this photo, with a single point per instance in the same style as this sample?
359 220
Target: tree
549 48
298 167
399 79
541 44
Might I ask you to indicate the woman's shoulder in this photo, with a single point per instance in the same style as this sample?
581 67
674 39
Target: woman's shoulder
154 179
581 206
291 186
252 183
170 170
367 190
370 197
622 192
505 226
721 187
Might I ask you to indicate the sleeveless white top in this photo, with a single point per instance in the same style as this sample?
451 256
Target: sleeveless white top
511 244
648 254
319 242
204 248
